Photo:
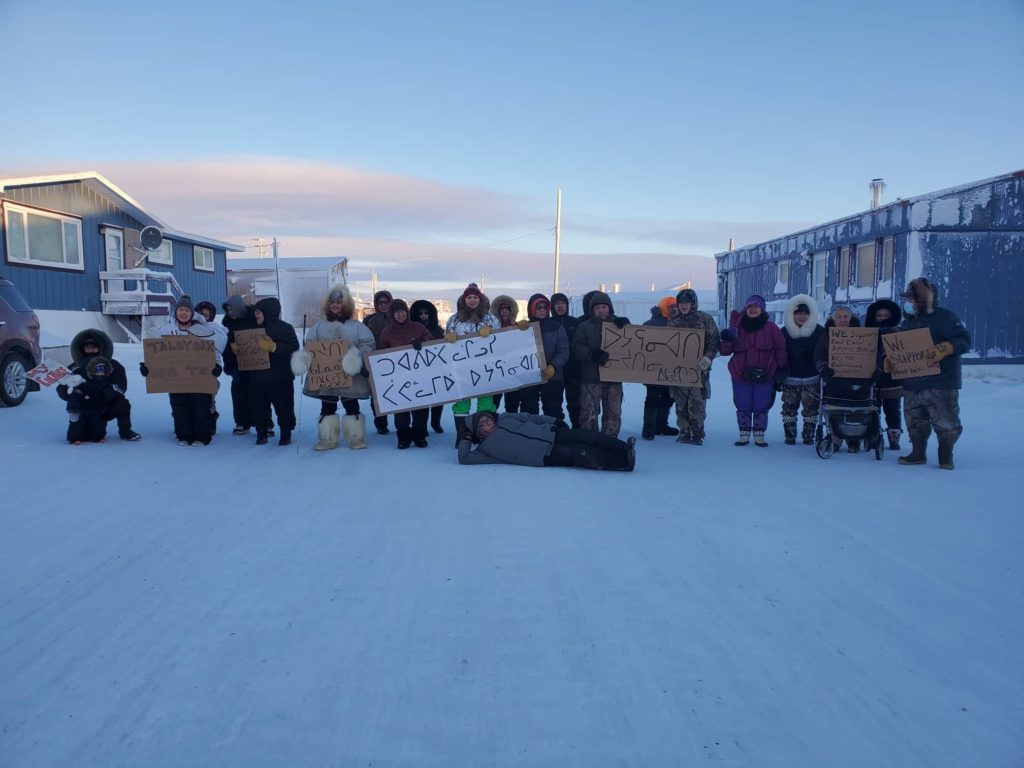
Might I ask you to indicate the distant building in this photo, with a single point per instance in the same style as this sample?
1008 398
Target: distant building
969 240
71 244
303 283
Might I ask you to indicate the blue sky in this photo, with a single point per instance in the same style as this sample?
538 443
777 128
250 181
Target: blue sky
406 135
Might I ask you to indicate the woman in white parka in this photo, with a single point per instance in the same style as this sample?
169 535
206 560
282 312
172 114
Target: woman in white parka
337 324
473 316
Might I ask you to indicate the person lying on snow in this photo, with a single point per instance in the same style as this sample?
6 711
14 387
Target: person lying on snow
540 441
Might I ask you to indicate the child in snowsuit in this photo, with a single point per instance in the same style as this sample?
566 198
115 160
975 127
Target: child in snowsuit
85 346
87 398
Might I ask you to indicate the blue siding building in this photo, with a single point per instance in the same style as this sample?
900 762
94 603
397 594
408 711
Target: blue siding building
969 240
71 243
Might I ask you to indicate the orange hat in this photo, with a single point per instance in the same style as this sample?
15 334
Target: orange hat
663 305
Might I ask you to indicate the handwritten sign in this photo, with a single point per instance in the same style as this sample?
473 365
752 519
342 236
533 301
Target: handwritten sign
404 379
650 354
180 364
853 352
46 376
250 356
325 368
907 353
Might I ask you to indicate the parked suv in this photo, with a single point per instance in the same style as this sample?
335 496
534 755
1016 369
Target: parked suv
19 345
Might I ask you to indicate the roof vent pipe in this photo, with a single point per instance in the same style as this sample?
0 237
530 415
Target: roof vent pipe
877 188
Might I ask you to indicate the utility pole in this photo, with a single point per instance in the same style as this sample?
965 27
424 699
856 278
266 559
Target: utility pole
558 235
277 271
482 276
260 244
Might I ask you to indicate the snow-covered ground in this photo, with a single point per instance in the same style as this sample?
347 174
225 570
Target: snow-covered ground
264 606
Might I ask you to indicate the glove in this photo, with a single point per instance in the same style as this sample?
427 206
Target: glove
450 337
547 373
826 373
143 369
729 334
780 376
72 381
267 345
217 370
599 356
417 345
365 372
704 364
234 347
940 351
621 322
522 324
886 365
485 332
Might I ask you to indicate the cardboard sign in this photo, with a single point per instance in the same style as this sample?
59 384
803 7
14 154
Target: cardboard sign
180 364
650 354
853 352
325 368
250 356
907 353
45 376
404 379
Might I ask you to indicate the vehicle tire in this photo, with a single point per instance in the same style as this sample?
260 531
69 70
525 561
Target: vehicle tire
825 448
13 381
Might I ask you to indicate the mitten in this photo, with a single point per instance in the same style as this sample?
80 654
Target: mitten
300 361
234 347
599 356
704 364
621 322
485 332
352 362
547 373
267 345
729 334
72 381
940 351
886 365
450 337
522 324
143 369
417 345
217 370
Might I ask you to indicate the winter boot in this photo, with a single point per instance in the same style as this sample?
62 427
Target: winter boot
894 438
354 430
404 437
853 446
286 437
789 428
684 437
917 452
329 430
697 435
630 454
381 423
650 423
435 420
661 426
946 441
744 437
808 433
460 429
759 438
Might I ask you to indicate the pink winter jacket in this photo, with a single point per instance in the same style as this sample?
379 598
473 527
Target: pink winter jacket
763 348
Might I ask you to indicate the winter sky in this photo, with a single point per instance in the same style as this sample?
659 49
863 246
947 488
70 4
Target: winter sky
427 140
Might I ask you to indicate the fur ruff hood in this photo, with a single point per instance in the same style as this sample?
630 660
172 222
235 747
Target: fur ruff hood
473 315
513 307
77 344
348 304
795 331
895 314
922 290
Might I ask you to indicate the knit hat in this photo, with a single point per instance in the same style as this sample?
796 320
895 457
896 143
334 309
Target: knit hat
664 304
474 421
847 307
472 290
755 299
397 305
184 301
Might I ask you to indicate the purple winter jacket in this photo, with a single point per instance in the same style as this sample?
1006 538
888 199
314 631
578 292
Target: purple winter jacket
762 348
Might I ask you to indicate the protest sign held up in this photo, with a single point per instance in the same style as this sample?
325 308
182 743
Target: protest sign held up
250 356
652 355
404 379
46 376
853 352
907 353
180 364
325 370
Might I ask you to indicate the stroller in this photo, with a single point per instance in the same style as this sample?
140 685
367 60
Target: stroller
848 410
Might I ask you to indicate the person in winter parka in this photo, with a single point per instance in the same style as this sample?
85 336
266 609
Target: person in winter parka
410 426
802 332
538 441
658 399
571 371
86 345
885 315
339 324
596 396
238 316
276 385
548 394
377 322
192 411
506 309
840 390
472 316
691 402
759 359
425 313
933 402
86 401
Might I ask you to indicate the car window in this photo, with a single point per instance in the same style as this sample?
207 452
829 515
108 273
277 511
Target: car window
16 301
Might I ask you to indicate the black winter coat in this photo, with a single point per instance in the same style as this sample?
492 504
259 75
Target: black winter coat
282 334
246 323
944 326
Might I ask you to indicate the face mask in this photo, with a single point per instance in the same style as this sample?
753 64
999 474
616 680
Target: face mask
908 307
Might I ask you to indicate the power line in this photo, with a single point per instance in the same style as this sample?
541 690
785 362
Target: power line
502 242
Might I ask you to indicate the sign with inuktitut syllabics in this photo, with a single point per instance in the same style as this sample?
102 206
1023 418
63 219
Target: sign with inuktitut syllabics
651 354
404 379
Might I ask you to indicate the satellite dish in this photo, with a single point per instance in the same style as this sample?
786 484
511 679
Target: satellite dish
151 237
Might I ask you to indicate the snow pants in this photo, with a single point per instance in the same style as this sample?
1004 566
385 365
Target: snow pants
604 398
193 417
929 409
752 401
587 449
280 395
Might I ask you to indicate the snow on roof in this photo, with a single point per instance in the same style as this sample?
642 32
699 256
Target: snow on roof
285 262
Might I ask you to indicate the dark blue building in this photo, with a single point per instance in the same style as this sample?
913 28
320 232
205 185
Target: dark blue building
71 243
969 240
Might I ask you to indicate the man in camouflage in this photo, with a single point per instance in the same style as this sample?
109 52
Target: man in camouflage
691 402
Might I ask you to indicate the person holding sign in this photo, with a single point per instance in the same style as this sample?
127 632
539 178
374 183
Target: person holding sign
274 386
410 426
885 315
933 402
691 402
537 441
425 313
546 396
802 331
598 397
86 345
847 391
507 312
472 316
339 324
571 370
758 351
377 322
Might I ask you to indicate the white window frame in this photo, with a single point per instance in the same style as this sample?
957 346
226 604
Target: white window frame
819 266
865 281
843 269
157 257
10 209
888 259
782 276
202 250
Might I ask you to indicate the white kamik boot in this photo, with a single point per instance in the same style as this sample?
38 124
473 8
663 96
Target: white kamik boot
354 429
329 429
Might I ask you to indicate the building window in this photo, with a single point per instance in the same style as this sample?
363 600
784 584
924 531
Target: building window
820 264
43 239
202 258
886 259
782 277
162 255
843 278
865 271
